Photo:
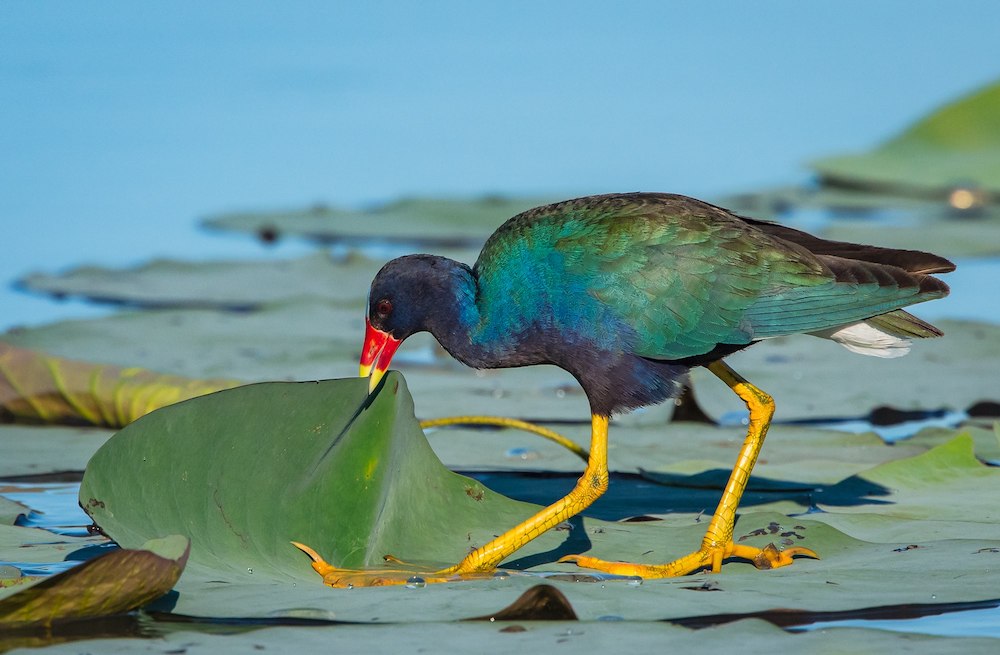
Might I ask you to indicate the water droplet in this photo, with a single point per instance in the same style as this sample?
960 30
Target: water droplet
501 575
350 586
416 582
249 570
634 581
611 618
560 393
933 596
523 454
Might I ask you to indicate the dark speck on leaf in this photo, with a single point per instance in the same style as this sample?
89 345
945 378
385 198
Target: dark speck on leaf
267 234
759 532
706 586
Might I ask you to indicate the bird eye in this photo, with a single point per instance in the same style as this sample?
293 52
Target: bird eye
383 308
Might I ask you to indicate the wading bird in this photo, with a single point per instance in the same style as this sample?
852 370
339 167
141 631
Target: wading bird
628 292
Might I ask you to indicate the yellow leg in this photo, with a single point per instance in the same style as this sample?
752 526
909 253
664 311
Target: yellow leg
483 560
717 544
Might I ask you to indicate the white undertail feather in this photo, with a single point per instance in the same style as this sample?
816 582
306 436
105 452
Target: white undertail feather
886 335
866 339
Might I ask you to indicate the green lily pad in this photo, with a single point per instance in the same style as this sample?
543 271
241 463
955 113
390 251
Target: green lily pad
609 635
813 378
967 238
429 222
957 145
896 221
214 470
113 583
234 285
37 546
314 341
9 511
244 472
42 450
294 340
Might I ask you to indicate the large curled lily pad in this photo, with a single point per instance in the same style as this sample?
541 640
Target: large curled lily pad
956 146
244 472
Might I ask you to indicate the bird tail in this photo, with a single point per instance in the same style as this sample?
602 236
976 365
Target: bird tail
886 335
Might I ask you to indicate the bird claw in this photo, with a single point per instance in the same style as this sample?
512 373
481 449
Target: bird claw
407 573
769 557
707 558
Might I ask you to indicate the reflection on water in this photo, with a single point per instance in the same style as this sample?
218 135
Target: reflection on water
968 623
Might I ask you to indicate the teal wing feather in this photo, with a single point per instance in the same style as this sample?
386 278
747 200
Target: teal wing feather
670 277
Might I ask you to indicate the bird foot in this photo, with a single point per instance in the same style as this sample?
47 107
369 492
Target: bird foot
709 557
406 574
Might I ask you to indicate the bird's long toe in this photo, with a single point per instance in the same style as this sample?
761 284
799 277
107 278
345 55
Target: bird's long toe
402 573
707 558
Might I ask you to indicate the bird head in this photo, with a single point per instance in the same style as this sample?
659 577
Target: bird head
404 296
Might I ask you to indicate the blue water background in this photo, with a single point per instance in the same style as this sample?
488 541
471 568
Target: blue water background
121 123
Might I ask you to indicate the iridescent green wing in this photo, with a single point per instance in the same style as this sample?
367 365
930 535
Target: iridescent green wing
669 277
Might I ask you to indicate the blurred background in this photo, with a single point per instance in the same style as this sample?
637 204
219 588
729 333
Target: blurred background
124 123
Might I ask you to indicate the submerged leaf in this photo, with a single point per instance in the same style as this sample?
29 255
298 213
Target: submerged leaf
113 583
40 388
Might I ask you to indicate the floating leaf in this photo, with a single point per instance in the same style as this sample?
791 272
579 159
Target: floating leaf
46 449
235 285
864 216
428 222
300 341
958 145
607 635
246 471
40 388
113 583
36 546
979 238
9 511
